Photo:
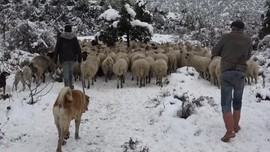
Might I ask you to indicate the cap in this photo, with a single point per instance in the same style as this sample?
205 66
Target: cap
68 28
238 24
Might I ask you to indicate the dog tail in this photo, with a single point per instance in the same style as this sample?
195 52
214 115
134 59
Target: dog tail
65 93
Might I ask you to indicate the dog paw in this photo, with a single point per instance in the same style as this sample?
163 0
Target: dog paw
64 142
67 136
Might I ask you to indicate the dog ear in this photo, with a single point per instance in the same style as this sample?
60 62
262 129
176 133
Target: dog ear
87 102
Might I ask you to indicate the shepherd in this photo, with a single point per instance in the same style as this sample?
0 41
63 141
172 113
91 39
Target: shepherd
69 51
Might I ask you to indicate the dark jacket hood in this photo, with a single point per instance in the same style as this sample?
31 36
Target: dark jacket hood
67 35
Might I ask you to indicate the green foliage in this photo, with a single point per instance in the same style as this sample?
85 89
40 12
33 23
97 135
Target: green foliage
141 13
7 55
265 27
124 22
140 34
27 36
109 36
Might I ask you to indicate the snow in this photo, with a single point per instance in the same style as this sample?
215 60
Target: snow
149 116
130 11
109 15
140 2
143 24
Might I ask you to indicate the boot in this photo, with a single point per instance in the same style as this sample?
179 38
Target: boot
236 118
70 83
66 83
229 124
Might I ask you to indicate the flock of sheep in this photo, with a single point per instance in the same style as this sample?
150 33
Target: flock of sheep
143 61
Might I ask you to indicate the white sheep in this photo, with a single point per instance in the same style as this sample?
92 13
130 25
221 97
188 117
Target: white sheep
183 60
151 61
39 66
252 71
189 46
120 69
160 68
123 55
212 69
198 50
172 61
24 76
76 71
162 56
89 69
151 53
135 56
140 69
200 63
107 67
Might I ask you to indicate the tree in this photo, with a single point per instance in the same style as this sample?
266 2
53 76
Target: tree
109 36
130 24
116 24
124 26
141 13
139 32
265 27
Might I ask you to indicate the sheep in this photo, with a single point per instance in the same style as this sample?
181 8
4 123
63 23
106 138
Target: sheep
120 69
175 51
135 56
123 55
172 61
24 76
160 68
39 65
189 46
212 68
107 67
113 55
183 60
76 71
140 69
151 61
197 50
89 68
101 56
162 56
151 53
252 71
200 63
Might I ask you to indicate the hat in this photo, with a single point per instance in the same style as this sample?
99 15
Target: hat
238 24
68 28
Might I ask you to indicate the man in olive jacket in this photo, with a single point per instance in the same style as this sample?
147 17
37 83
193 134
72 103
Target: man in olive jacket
235 49
69 51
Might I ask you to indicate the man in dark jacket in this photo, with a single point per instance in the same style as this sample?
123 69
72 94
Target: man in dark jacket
69 51
235 49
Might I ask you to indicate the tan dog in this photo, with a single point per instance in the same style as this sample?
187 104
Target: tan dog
69 105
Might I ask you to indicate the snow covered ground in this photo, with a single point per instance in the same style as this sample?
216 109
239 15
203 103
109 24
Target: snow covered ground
147 116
